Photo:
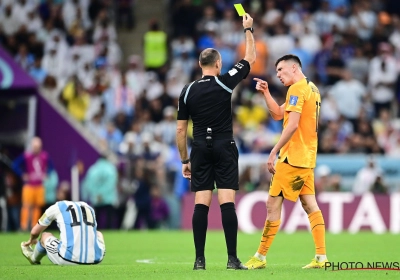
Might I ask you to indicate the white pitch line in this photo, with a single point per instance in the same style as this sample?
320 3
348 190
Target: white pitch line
150 261
144 261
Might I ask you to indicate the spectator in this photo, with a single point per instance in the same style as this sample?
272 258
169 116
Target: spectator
76 99
95 125
363 20
124 98
272 16
176 79
305 57
280 43
155 48
104 29
251 113
143 174
159 208
227 23
394 37
9 20
52 64
184 18
136 76
112 136
334 67
33 22
325 19
366 177
208 20
24 58
37 72
167 127
35 47
99 187
126 13
5 167
14 200
260 68
228 56
184 64
379 187
208 37
325 181
310 41
182 44
348 94
358 65
382 78
329 109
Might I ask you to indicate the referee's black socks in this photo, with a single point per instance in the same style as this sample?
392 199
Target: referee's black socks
199 224
230 224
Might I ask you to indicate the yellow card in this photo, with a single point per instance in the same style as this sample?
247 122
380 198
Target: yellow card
239 8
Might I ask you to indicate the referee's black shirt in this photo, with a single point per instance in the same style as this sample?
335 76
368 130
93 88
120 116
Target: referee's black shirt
208 101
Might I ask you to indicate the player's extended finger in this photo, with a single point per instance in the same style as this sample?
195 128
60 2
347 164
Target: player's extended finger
258 80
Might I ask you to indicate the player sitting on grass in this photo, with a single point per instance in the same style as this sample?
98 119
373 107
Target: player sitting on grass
79 243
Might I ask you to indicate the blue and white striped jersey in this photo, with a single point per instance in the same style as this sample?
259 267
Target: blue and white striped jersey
78 231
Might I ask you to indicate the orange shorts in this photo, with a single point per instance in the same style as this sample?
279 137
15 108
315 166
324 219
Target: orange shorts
33 195
292 181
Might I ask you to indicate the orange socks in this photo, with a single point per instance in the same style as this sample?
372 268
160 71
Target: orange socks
268 235
318 231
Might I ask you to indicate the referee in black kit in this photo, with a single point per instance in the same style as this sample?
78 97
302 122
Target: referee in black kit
214 155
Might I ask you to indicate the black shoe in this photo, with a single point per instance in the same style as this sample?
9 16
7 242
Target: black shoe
235 263
200 264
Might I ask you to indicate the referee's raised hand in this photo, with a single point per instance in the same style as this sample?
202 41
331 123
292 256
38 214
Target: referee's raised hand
247 21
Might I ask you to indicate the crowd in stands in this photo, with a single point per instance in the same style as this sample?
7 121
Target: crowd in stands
349 48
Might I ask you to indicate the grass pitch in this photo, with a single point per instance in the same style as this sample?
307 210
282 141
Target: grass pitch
170 255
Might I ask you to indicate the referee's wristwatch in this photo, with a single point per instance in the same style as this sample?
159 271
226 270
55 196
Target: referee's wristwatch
249 28
186 161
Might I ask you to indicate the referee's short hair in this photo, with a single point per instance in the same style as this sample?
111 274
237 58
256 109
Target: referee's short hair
291 57
208 57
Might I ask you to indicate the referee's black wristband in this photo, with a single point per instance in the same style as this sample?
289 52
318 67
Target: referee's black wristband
249 28
186 161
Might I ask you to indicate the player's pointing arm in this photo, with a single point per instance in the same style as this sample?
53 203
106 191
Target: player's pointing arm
275 110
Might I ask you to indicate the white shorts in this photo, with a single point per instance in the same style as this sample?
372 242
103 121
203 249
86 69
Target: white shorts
51 246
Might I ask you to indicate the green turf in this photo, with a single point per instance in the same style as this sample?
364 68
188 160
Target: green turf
170 255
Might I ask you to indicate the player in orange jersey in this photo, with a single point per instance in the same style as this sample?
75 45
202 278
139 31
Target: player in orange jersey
293 173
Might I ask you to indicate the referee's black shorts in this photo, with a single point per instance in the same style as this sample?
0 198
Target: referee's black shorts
218 164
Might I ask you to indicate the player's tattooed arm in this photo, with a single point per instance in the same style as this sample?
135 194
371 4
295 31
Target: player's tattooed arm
35 232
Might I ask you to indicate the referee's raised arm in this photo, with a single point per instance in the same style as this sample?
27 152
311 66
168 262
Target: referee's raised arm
250 55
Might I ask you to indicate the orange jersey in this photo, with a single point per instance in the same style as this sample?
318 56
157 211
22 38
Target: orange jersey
301 150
